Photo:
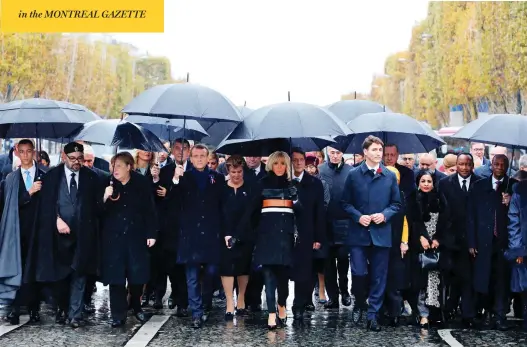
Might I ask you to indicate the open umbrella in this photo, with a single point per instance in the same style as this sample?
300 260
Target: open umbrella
120 133
348 110
288 121
407 133
508 130
218 131
42 118
262 148
170 129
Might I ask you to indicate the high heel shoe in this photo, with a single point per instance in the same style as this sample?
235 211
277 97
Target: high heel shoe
273 327
282 321
424 326
229 316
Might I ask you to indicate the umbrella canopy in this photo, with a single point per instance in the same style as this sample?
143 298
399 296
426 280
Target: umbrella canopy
120 133
262 148
348 110
42 118
170 129
407 133
184 100
219 130
508 130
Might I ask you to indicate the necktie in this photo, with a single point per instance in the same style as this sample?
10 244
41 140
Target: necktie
464 187
253 171
73 187
28 180
498 183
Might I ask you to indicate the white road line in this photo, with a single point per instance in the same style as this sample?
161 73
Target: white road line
4 329
147 331
448 338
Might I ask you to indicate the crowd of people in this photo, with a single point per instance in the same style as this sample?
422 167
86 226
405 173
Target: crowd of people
448 240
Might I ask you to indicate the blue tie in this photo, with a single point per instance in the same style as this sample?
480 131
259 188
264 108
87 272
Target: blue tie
28 180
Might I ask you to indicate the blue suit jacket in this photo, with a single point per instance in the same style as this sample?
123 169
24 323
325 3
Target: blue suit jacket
366 194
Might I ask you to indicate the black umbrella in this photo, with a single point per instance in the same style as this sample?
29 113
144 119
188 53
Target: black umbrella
42 118
290 122
120 133
508 130
348 110
218 131
407 133
263 148
170 129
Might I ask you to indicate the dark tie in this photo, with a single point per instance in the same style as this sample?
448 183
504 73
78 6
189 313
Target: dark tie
253 171
73 187
464 187
498 183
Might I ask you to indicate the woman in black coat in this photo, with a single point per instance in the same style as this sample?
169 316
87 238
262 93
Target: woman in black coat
276 203
128 230
236 254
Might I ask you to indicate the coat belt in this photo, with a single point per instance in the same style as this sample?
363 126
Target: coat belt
277 203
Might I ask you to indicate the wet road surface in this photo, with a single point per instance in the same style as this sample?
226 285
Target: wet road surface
320 328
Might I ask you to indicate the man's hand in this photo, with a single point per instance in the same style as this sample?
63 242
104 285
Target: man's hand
365 220
154 170
378 218
227 238
62 227
404 249
519 260
162 192
473 252
316 245
36 187
506 199
150 242
178 172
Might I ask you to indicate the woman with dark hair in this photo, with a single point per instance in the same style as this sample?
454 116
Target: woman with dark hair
423 211
236 253
44 159
128 230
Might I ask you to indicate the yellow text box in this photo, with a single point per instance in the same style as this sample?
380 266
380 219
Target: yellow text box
82 16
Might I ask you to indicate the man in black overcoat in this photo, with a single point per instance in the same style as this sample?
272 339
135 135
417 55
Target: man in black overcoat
311 224
451 233
488 207
68 223
19 194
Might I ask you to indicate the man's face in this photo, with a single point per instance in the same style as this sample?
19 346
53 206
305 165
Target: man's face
180 152
213 164
499 167
477 150
162 156
427 162
299 163
408 160
497 150
464 165
374 153
199 158
25 153
335 156
358 158
88 160
253 162
390 155
73 160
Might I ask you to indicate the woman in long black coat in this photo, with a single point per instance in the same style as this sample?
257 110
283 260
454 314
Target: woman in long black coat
235 260
276 202
129 228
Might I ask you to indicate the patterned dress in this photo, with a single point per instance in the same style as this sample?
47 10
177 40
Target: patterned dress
434 280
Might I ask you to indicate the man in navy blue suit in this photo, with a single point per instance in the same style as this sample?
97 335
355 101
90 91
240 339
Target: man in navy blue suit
371 198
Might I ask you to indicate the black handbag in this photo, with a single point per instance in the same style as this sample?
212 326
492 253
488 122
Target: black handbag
429 260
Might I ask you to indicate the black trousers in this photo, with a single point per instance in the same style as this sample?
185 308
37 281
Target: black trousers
178 283
496 300
69 295
253 293
337 263
304 288
88 291
276 278
119 302
28 295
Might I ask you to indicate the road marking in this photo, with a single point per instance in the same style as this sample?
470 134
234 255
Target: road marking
4 329
147 331
448 338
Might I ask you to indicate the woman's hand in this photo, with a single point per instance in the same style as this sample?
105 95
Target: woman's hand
316 245
519 260
424 243
404 249
150 242
435 244
227 238
108 192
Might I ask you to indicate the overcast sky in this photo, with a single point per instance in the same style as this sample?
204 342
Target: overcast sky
256 50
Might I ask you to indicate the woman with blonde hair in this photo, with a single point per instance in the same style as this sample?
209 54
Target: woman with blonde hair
275 203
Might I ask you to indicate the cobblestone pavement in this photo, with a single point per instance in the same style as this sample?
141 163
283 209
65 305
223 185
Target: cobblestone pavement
321 328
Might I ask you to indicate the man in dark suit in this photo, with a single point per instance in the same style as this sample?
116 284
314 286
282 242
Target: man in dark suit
477 149
311 231
451 233
70 202
485 170
428 161
371 198
391 154
488 206
6 163
19 195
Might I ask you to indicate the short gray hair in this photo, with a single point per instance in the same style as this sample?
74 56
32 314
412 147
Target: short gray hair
523 161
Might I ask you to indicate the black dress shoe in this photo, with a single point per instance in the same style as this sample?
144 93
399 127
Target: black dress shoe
373 325
118 323
501 324
171 303
196 323
356 315
181 312
13 318
310 307
298 315
331 305
158 304
229 316
75 323
469 323
144 301
60 318
88 309
346 300
486 322
34 316
394 322
140 316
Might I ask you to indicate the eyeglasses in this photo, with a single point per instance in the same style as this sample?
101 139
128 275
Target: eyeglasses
77 159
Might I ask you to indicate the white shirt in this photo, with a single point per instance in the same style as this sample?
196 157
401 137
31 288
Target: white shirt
495 181
162 164
257 169
32 170
68 173
461 179
373 168
184 170
298 178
